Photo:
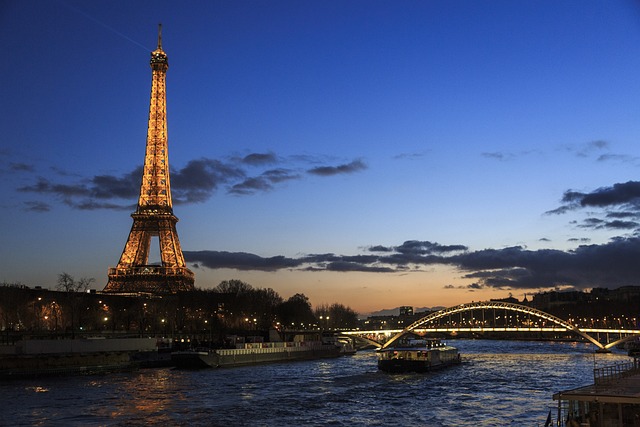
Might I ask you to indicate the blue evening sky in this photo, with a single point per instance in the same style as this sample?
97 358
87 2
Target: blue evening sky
372 153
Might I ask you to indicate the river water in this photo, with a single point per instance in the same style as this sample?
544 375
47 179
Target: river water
499 383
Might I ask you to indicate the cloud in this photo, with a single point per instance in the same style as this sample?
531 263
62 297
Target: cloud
355 166
621 158
250 186
259 159
196 182
110 187
264 182
611 264
621 194
505 156
502 156
425 247
410 156
43 186
239 260
619 205
586 149
579 240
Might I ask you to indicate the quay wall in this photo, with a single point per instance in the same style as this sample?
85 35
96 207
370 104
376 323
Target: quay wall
81 345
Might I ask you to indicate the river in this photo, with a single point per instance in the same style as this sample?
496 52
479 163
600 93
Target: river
499 383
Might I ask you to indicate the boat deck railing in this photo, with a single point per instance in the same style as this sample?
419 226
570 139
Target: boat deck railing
607 374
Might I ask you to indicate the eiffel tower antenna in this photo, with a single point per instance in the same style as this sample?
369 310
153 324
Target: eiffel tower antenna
154 214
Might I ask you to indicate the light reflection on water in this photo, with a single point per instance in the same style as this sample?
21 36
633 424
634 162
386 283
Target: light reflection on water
500 383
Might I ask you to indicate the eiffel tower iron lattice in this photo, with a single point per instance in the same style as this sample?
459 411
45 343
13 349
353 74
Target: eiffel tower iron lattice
154 214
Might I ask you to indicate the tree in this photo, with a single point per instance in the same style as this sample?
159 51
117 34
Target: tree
336 316
66 283
296 311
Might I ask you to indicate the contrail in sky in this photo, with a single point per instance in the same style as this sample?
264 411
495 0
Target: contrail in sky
86 15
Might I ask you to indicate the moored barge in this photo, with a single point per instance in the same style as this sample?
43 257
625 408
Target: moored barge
256 353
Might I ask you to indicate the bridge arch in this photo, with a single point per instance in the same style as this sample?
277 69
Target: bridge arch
495 305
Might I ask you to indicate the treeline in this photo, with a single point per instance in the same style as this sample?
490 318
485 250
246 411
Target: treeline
231 307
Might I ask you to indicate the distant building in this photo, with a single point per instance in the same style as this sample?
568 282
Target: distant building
406 310
508 299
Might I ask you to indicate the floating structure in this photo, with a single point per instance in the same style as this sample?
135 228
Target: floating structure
613 400
259 353
35 358
413 353
154 215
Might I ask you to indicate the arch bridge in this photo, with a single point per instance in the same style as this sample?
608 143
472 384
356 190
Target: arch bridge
497 316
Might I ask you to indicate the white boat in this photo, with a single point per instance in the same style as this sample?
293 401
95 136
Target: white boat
414 353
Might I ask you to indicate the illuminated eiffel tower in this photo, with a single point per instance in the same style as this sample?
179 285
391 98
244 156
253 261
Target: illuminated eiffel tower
154 215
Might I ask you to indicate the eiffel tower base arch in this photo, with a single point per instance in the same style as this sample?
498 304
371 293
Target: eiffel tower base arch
150 279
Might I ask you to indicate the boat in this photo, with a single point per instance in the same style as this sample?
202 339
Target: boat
414 353
255 353
612 400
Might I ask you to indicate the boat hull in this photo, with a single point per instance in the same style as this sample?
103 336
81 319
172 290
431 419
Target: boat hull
226 358
400 365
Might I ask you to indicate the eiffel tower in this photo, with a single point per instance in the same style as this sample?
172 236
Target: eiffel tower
154 215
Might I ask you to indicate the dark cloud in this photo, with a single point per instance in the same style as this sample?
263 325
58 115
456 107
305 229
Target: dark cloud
619 206
627 193
258 159
355 166
620 158
607 265
43 186
239 260
417 247
110 187
196 182
424 248
343 266
264 182
280 175
611 264
380 248
250 186
621 215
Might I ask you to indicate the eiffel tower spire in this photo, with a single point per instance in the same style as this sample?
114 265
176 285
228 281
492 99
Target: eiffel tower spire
154 214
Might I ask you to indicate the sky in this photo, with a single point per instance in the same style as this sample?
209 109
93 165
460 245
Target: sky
371 153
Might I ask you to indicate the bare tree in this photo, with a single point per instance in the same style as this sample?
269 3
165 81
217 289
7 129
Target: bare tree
66 283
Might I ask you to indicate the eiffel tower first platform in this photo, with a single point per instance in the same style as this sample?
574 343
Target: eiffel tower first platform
154 214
